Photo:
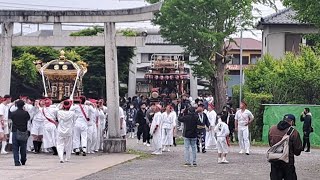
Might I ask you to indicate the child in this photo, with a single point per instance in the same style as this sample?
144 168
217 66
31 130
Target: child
222 132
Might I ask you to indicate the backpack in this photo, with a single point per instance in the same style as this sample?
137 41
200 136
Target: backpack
280 151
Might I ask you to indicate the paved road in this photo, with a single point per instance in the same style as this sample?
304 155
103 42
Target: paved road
47 167
170 166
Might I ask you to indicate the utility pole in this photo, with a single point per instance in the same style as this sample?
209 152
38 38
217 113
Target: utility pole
241 70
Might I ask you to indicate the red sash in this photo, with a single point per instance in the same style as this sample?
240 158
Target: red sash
50 120
228 141
84 113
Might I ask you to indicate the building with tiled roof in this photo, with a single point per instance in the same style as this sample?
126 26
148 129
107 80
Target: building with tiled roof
252 50
282 32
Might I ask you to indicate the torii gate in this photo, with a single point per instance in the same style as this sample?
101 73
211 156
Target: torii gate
110 42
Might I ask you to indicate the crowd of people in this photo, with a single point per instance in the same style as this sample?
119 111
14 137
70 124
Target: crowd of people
77 126
203 128
80 125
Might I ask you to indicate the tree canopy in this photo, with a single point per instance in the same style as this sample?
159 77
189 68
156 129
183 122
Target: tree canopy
201 27
307 11
291 79
95 81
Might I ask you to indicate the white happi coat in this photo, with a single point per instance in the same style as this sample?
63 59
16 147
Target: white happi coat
210 136
80 133
155 131
65 129
123 131
49 130
101 123
243 130
37 122
4 111
168 125
222 131
92 130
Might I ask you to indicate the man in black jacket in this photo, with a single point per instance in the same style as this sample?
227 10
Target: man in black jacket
20 120
143 125
306 119
203 123
190 120
281 170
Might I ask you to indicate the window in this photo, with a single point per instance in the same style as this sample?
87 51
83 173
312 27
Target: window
145 57
236 59
245 59
293 42
254 58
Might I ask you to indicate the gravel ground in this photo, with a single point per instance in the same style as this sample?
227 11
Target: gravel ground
169 165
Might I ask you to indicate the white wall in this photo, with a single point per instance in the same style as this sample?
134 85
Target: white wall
274 37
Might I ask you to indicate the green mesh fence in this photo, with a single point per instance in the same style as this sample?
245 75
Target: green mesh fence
274 113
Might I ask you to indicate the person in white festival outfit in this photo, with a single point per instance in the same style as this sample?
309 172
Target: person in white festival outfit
155 131
80 132
66 120
101 124
92 128
243 119
4 124
222 131
123 124
211 141
50 126
167 128
38 125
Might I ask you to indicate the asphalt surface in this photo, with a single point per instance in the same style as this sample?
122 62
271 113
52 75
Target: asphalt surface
169 165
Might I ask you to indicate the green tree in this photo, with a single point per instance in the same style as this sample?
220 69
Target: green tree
25 78
24 67
45 54
292 79
201 27
307 11
95 81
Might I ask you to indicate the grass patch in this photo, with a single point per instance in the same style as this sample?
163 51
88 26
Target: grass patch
142 155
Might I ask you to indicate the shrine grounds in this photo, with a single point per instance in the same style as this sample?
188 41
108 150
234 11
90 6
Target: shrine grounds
170 166
139 164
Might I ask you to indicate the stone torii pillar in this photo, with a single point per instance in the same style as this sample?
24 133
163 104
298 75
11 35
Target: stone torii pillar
114 143
5 57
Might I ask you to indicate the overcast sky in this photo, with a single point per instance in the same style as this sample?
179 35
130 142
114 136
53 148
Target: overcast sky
103 4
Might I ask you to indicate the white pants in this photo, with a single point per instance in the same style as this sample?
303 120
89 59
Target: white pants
243 136
6 127
157 140
92 137
30 143
80 131
64 144
167 137
99 137
123 131
49 135
222 145
211 139
37 128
